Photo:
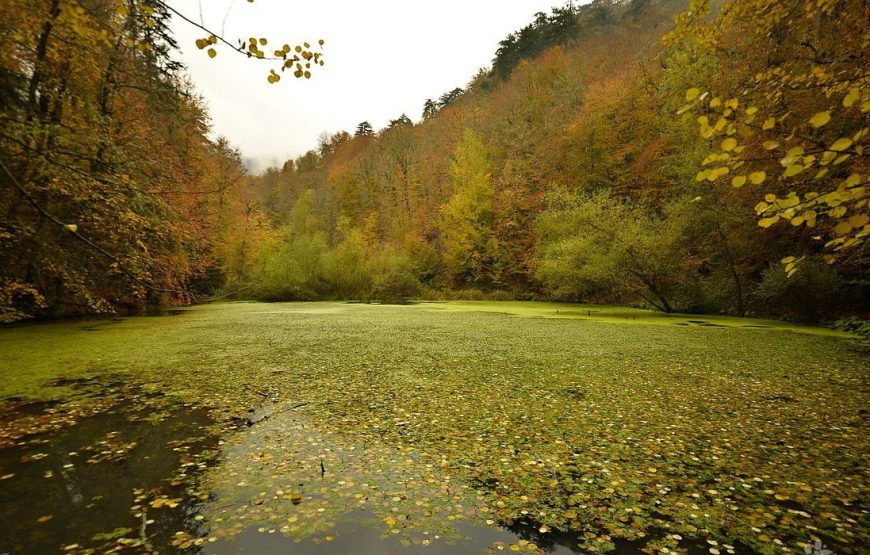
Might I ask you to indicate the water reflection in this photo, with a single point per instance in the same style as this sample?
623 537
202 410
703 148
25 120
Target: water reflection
75 485
354 537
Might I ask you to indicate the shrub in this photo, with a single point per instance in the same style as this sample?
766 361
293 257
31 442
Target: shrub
392 278
809 295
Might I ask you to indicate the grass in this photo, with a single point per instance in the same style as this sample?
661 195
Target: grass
581 419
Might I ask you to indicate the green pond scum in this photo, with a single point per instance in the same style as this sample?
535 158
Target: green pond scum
450 427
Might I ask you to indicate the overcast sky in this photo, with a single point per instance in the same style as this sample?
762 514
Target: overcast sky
383 57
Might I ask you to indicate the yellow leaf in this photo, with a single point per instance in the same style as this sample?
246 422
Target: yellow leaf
212 52
729 144
757 178
71 227
769 123
738 181
843 228
820 119
841 144
767 222
770 145
692 94
770 197
859 220
716 102
794 169
851 97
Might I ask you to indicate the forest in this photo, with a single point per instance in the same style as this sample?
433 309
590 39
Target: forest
703 158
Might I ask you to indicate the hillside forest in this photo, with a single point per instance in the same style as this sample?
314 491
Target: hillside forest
702 158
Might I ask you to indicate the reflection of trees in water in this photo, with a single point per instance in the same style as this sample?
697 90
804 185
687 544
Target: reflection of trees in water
57 497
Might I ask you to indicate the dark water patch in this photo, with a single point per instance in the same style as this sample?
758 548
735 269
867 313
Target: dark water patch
705 323
355 535
550 541
96 483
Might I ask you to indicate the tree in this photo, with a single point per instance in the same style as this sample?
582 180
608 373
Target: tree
364 129
466 220
793 121
449 97
430 109
103 160
596 247
401 121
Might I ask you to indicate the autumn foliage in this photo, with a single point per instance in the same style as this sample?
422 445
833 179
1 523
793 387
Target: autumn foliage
642 152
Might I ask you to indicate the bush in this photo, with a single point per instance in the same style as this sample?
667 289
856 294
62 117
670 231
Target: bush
293 270
809 295
392 278
853 324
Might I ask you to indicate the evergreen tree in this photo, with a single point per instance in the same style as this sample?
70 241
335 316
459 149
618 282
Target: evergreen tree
450 97
430 109
401 121
364 129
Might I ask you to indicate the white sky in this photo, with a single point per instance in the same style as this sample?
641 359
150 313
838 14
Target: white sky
383 57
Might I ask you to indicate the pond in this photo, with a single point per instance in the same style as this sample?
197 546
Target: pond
115 467
331 428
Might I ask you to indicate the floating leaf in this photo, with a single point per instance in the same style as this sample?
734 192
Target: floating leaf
757 177
841 144
820 119
850 98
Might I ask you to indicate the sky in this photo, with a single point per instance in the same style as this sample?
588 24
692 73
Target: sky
383 58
